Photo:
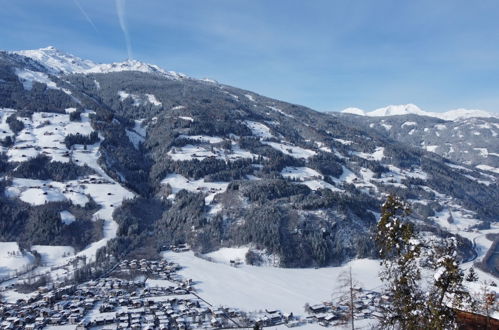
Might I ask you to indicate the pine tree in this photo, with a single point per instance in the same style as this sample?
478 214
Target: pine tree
399 250
446 291
472 276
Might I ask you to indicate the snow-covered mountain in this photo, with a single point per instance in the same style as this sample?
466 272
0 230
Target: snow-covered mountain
57 62
411 109
211 165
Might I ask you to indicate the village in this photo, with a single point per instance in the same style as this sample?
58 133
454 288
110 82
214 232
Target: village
150 294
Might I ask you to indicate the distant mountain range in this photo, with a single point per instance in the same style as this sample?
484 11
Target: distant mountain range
154 158
411 109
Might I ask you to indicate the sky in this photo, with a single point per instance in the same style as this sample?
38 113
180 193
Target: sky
324 54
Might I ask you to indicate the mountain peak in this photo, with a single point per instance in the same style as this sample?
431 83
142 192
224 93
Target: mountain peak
57 62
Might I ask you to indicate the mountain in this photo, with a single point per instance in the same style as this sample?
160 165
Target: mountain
57 62
411 109
119 159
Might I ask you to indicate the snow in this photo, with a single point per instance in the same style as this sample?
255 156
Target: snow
179 182
431 148
484 152
255 288
186 118
28 77
52 255
4 127
394 110
409 123
377 155
137 135
189 151
124 95
461 222
258 129
44 133
300 173
225 255
488 168
386 126
250 97
40 196
133 65
67 217
57 61
203 138
291 150
407 109
12 259
345 142
153 100
279 111
320 184
354 111
347 176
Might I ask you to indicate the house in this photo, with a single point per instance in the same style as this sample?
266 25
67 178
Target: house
319 308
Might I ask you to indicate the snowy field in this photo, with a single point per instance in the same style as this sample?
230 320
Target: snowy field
256 288
291 150
12 259
178 182
44 133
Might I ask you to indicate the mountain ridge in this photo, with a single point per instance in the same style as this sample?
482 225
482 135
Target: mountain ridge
411 109
58 62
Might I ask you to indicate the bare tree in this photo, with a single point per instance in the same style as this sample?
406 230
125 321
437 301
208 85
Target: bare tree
347 292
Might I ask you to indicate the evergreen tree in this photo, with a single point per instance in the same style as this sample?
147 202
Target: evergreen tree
446 291
408 306
399 251
472 276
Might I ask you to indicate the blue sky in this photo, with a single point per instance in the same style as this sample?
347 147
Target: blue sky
324 54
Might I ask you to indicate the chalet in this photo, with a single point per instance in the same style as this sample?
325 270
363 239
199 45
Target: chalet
319 308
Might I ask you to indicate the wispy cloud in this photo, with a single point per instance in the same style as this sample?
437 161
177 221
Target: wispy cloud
87 17
120 11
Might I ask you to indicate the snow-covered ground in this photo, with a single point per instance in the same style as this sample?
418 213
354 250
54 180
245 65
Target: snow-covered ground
44 134
300 173
259 129
207 148
51 255
225 255
12 260
136 135
178 182
255 288
378 154
291 150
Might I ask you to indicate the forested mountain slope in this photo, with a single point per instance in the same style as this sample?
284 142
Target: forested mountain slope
212 165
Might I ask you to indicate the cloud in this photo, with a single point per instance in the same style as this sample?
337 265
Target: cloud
120 11
84 13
